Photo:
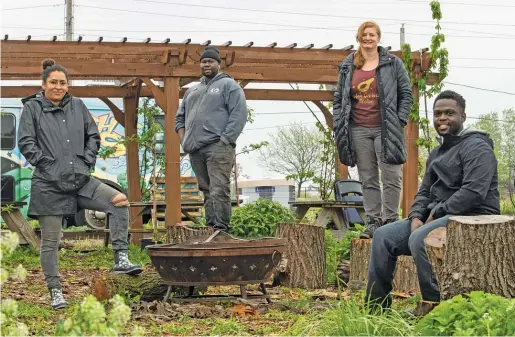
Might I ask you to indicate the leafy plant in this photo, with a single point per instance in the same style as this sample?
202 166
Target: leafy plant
259 218
336 251
90 318
475 314
439 60
9 326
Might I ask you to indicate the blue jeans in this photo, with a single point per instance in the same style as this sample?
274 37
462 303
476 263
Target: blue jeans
391 241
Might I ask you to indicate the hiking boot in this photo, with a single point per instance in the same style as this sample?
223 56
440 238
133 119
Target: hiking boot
423 308
220 227
122 265
372 225
57 299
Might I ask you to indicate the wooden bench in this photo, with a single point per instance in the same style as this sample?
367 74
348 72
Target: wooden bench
17 223
331 210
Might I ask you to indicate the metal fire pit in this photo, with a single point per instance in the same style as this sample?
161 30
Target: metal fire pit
218 260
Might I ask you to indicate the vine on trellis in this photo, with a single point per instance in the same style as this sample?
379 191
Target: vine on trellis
439 60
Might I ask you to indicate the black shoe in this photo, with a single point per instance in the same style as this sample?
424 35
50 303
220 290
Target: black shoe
372 225
57 299
122 265
220 227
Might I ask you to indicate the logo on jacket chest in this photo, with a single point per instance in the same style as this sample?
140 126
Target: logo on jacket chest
214 90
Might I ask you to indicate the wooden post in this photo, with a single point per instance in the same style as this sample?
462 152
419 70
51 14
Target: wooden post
130 107
172 154
18 224
410 169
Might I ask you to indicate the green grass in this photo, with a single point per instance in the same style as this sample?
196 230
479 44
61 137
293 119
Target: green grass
101 258
228 327
351 318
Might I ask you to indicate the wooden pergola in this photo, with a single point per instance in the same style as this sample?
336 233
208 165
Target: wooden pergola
136 65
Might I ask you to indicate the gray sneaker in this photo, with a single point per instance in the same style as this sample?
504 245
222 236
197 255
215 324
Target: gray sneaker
57 298
372 225
122 265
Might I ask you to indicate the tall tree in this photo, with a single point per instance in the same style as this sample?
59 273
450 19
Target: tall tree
501 128
294 151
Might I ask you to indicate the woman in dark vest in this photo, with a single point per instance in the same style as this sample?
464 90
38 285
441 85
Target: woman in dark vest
59 138
372 103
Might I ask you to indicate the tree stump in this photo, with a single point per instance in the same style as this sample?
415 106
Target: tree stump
479 255
405 280
181 233
304 257
435 249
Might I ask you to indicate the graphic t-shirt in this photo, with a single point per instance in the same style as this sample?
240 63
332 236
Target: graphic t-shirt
365 99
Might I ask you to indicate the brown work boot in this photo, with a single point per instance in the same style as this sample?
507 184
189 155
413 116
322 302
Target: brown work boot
423 308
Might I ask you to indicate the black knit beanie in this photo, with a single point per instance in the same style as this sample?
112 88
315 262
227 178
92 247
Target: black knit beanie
212 53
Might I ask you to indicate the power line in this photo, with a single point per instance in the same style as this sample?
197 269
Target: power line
321 15
205 18
458 3
483 89
30 7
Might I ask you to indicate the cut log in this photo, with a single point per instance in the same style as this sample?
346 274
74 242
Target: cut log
181 233
435 249
479 255
148 286
18 224
304 258
405 280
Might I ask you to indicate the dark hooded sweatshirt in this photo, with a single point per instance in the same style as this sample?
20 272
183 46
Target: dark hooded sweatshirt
460 178
61 143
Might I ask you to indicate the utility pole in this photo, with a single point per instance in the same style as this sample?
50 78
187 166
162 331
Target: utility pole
403 35
69 20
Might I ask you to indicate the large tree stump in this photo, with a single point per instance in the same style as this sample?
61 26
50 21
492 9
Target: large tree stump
405 280
479 255
304 258
435 249
181 233
149 286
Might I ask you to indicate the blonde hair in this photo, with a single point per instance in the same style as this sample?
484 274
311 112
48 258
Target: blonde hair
359 59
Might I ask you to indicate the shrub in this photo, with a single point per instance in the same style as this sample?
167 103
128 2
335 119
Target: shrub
259 218
474 314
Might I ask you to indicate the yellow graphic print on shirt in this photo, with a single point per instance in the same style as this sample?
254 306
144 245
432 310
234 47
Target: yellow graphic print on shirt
364 97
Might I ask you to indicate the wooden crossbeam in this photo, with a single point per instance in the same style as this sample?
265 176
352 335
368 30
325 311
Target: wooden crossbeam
115 91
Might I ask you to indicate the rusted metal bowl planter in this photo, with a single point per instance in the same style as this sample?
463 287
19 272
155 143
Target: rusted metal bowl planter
224 260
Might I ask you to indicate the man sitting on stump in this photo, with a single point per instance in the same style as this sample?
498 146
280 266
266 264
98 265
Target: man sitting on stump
460 179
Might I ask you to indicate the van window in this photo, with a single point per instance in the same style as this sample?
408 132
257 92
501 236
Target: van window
8 122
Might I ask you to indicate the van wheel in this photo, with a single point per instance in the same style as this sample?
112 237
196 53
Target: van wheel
95 219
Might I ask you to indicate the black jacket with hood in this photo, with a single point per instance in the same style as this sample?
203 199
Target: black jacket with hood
394 101
61 143
460 178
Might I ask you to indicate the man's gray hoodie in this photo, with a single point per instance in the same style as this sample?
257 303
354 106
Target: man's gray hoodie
210 112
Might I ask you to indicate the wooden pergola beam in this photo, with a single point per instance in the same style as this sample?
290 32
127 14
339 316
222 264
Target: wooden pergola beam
114 91
117 113
157 93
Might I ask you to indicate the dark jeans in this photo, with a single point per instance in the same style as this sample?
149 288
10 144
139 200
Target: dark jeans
51 229
212 165
396 239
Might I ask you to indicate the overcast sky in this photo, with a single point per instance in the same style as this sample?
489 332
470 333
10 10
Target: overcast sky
480 39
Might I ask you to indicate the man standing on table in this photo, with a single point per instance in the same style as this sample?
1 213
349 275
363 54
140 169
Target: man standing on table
209 121
460 179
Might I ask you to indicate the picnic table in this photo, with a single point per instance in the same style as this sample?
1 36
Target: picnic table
331 210
17 223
